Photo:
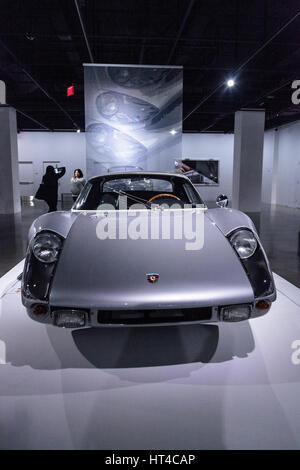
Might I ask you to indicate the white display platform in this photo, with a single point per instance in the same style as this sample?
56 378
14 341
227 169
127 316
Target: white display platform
232 386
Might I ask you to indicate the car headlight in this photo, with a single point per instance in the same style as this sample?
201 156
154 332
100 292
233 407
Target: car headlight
244 243
46 247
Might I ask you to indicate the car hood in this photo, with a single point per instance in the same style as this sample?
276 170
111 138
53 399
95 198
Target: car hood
112 273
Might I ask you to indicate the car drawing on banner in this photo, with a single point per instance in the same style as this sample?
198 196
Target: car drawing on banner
78 273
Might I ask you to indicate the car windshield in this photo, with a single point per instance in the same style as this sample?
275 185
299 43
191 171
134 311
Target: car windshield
138 184
126 191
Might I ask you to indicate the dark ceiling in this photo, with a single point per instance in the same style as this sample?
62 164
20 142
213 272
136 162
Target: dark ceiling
42 49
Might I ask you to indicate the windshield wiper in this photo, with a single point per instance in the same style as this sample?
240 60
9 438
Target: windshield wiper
120 192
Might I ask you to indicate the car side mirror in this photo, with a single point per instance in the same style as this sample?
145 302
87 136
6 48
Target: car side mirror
222 201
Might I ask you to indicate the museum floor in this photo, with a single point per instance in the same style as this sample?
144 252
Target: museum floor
279 231
217 386
225 386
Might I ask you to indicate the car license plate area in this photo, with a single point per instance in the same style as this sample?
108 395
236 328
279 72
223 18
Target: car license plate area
136 317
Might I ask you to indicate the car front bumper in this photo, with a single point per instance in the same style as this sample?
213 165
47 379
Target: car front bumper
86 317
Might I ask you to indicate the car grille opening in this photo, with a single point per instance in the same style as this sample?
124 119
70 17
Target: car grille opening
144 317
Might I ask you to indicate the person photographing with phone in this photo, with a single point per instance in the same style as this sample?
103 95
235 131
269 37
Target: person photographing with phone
49 187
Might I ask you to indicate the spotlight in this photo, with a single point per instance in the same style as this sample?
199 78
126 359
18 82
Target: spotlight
230 82
173 132
78 130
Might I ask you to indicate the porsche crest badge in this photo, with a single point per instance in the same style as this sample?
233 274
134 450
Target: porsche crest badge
152 278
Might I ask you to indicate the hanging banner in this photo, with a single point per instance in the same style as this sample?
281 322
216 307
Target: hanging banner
133 117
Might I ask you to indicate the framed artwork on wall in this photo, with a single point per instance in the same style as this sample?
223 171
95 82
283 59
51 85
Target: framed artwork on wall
204 172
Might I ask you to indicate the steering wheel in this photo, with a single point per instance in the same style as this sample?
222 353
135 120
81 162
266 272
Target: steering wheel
164 198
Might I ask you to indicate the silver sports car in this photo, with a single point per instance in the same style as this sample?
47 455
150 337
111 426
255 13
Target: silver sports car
141 248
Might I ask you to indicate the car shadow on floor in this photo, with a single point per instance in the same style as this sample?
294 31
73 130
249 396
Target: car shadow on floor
123 348
163 346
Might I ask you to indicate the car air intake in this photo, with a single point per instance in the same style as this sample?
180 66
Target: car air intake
144 317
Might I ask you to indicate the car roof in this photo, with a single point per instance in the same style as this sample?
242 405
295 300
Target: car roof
154 174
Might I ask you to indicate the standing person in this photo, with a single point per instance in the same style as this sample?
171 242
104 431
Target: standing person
50 183
78 183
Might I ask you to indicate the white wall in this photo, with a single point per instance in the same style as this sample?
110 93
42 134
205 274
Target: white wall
215 146
286 177
69 149
66 147
288 184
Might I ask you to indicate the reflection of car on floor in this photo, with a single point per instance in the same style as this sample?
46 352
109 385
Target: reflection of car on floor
73 277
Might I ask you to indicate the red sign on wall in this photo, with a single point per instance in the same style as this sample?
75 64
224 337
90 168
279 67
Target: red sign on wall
70 90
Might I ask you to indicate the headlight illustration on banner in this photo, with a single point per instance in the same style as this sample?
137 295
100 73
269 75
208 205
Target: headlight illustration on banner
140 77
133 117
115 145
125 109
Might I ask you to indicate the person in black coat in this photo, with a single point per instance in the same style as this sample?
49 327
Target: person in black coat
50 182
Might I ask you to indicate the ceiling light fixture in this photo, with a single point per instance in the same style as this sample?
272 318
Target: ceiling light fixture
230 82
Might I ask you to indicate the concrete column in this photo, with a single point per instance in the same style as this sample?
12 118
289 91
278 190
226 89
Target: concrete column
2 92
9 167
275 168
249 128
